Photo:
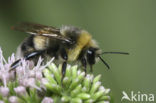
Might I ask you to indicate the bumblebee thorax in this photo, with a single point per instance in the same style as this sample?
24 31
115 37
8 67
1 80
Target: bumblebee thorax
82 41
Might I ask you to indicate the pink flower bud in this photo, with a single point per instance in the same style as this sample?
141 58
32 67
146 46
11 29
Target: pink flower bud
31 64
20 90
39 75
13 99
4 91
1 101
31 73
4 77
47 100
28 82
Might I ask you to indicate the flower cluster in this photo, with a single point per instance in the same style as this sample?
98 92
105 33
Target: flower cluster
30 83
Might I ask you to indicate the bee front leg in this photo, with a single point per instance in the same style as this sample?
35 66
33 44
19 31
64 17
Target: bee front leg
64 65
84 64
15 64
26 57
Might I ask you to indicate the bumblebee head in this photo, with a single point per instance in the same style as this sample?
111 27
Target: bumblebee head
95 53
92 55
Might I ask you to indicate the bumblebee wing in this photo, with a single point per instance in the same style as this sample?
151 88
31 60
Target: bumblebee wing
41 30
33 28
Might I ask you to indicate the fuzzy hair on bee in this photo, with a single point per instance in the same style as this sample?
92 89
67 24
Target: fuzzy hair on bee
67 44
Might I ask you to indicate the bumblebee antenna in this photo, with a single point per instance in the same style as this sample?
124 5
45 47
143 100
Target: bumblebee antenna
125 53
104 62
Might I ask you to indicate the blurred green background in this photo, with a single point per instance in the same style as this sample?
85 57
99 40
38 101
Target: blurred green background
119 25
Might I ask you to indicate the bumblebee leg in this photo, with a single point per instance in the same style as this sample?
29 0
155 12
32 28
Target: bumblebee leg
84 64
32 55
64 65
27 57
15 64
64 54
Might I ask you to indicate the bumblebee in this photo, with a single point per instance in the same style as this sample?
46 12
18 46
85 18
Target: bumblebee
67 44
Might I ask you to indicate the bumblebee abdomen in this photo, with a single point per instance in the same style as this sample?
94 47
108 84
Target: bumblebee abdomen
40 42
